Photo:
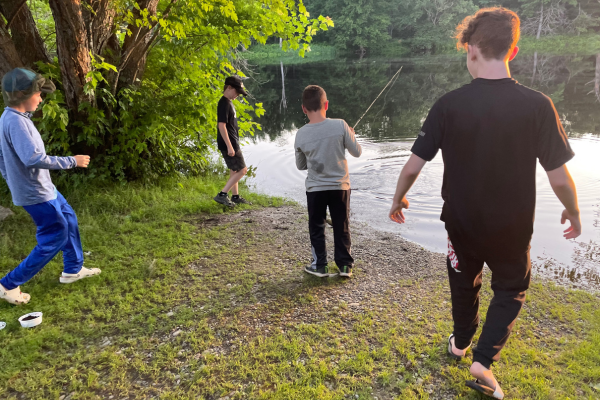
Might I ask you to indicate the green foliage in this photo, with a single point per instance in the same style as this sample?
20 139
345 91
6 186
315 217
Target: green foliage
428 25
268 54
435 22
561 44
166 123
44 21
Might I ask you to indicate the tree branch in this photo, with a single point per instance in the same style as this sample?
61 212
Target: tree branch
12 18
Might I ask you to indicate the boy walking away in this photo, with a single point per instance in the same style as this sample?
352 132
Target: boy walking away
321 149
25 167
228 142
491 133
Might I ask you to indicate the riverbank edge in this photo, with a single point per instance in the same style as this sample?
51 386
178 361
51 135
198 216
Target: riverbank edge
200 302
560 45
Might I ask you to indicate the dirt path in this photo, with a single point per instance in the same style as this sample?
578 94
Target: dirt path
382 259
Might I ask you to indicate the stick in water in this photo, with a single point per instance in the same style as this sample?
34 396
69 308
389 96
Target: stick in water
380 93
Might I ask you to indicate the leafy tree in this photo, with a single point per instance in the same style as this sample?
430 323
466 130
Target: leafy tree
138 80
360 24
432 22
428 25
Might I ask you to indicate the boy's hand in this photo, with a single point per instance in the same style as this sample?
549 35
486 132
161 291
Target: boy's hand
575 229
82 161
396 213
230 152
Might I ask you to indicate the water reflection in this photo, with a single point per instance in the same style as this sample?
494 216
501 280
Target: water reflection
572 82
388 130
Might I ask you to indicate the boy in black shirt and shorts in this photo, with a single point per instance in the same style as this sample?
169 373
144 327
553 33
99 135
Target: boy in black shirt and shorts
491 132
228 142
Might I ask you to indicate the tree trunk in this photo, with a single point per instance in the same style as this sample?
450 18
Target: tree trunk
24 32
135 48
534 67
597 78
541 21
9 58
134 68
99 22
73 49
283 98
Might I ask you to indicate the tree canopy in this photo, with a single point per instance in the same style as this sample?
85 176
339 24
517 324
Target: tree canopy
426 25
138 80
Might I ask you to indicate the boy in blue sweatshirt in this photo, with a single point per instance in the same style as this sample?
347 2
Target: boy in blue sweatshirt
25 167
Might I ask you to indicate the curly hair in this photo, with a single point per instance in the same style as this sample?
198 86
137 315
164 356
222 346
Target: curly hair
495 31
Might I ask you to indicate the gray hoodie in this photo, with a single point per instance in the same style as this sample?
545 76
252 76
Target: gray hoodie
321 149
23 160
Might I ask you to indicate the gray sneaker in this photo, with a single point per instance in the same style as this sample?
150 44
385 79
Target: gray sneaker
346 271
322 272
224 200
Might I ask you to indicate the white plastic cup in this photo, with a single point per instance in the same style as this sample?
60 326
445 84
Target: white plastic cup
30 323
2 325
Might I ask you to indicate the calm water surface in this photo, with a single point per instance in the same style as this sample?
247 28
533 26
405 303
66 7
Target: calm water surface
388 131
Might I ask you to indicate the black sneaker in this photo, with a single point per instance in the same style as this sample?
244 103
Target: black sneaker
346 271
224 200
240 200
322 272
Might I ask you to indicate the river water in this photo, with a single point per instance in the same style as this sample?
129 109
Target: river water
389 129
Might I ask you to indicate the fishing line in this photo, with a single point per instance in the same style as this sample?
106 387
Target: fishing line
386 96
380 93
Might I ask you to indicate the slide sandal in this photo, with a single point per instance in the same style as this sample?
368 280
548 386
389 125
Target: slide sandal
451 353
488 391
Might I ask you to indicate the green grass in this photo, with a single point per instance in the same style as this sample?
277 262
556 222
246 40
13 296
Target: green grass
271 54
559 45
188 307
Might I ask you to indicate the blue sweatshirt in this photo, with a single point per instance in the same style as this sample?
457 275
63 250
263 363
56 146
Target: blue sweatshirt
23 161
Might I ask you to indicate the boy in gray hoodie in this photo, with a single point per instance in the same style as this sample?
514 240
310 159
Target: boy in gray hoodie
321 149
25 167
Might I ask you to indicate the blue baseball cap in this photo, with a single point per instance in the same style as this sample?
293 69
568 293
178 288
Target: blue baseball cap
20 84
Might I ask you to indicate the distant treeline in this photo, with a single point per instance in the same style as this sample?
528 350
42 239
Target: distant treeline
428 25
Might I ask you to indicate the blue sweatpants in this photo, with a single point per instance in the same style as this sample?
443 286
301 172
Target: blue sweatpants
57 230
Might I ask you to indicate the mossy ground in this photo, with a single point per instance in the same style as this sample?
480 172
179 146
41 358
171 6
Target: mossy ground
198 302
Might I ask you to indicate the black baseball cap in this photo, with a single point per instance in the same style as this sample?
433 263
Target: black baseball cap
237 83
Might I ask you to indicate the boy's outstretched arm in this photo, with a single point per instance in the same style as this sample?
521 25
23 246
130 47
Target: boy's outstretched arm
564 188
33 156
351 143
407 178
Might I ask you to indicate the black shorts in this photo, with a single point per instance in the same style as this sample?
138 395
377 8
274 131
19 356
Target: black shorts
235 163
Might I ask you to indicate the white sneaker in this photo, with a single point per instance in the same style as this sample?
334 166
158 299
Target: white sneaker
84 273
14 296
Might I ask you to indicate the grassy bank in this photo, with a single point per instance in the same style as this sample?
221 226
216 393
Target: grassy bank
271 54
198 303
561 45
557 45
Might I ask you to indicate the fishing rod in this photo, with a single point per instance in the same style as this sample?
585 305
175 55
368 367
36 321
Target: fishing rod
380 93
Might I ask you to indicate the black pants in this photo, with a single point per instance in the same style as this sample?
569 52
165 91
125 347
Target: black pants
338 202
510 279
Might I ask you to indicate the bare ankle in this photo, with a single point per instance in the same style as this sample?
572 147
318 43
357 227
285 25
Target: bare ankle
482 373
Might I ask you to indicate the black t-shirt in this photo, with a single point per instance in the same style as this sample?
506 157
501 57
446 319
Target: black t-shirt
492 132
226 113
